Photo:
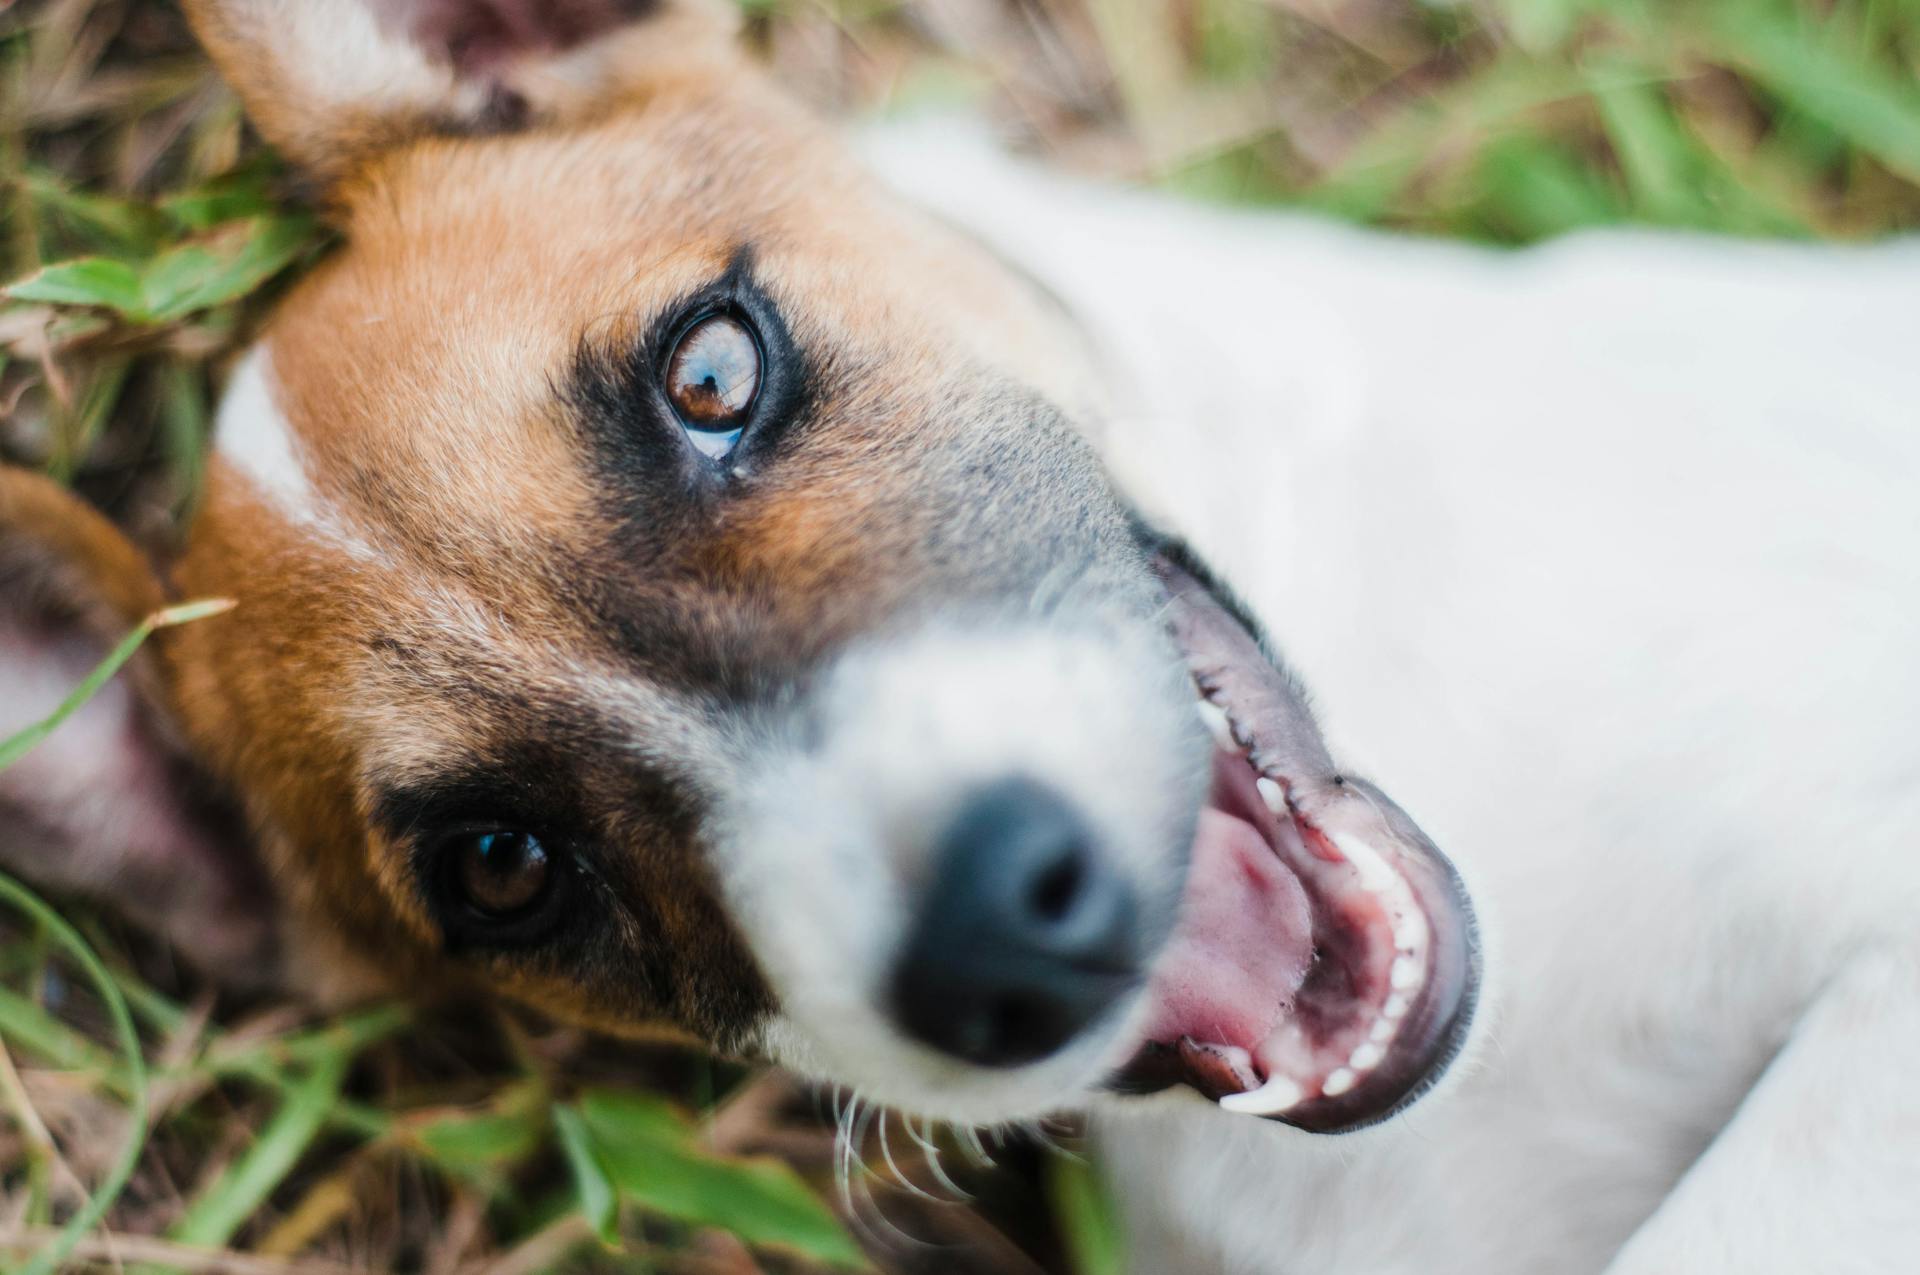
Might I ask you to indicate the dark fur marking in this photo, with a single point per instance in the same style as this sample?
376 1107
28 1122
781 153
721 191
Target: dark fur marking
642 935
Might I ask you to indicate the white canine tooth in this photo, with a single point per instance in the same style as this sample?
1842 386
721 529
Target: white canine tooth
1383 1029
1374 873
1277 1095
1406 973
1216 719
1396 1007
1366 1057
1338 1083
1273 794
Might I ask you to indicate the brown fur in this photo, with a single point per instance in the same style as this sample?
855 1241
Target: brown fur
69 556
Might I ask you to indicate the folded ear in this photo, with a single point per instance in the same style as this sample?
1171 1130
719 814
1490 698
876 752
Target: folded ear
331 81
108 805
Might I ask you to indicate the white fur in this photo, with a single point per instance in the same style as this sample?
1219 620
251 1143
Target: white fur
825 831
1605 558
252 434
331 63
336 59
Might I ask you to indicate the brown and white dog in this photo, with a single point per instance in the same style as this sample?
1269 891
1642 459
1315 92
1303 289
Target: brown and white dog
675 584
681 583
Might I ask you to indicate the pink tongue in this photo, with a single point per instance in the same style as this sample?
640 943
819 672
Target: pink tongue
1242 946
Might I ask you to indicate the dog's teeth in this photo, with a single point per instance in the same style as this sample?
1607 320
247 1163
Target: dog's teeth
1216 719
1375 876
1273 794
1405 974
1383 1029
1277 1095
1339 1082
1366 1057
1396 1007
1409 930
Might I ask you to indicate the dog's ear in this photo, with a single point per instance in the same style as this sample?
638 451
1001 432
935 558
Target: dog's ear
108 805
330 82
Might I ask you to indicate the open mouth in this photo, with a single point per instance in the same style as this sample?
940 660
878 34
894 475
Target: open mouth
1324 969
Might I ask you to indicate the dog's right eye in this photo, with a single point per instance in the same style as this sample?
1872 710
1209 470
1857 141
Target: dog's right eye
713 377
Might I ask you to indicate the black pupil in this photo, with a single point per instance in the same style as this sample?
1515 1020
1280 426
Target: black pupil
503 872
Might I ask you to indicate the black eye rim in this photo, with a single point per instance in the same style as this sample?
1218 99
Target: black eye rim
687 328
614 390
778 400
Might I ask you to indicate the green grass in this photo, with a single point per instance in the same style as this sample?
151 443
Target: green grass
147 1121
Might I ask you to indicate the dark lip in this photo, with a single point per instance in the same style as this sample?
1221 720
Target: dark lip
1441 1018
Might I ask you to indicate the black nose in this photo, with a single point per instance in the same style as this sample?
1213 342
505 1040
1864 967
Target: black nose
1024 937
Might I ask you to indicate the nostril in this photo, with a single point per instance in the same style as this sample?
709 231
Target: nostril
1057 887
1025 936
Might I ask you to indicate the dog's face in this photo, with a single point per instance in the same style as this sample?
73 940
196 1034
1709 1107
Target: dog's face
678 585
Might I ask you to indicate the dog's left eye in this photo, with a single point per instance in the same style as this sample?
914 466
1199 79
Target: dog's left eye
713 377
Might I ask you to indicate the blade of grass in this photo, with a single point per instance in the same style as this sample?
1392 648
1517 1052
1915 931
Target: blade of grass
1086 1216
651 1155
82 427
98 281
52 1256
111 1253
598 1203
264 1062
1367 184
38 1146
19 745
351 1033
34 1029
1655 157
233 1197
123 225
1531 189
1858 98
184 418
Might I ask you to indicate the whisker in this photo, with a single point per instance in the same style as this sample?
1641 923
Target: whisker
933 1159
886 1154
897 1238
976 1151
843 1149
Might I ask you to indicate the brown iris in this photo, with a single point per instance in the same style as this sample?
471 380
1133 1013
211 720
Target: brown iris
502 873
714 374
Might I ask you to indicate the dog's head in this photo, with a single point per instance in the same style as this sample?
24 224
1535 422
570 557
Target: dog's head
677 584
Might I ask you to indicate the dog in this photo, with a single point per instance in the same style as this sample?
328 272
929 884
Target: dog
682 581
1606 552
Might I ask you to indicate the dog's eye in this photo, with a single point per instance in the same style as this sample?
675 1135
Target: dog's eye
713 377
501 876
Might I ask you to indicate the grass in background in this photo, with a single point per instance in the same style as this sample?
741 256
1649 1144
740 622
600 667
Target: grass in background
148 1123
